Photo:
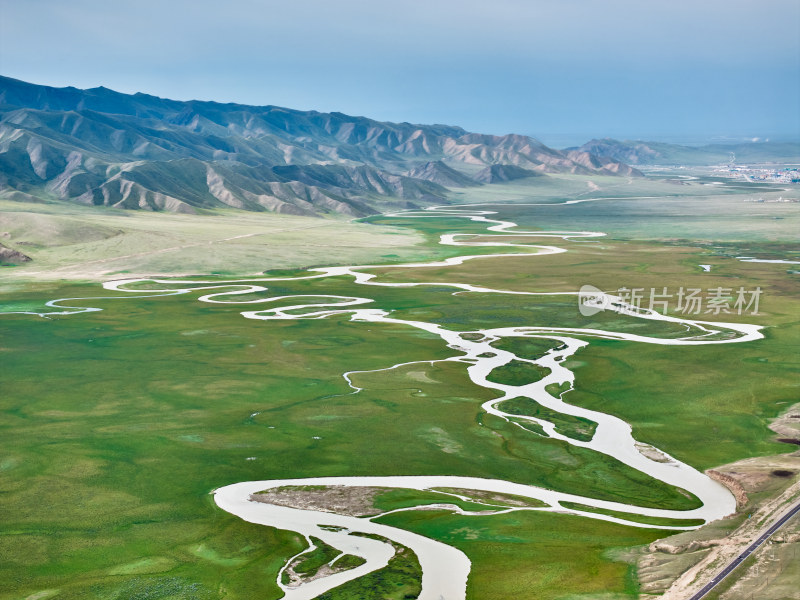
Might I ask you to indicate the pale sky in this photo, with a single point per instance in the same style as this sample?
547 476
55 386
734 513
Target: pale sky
562 70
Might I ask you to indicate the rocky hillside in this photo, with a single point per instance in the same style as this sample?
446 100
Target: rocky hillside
499 173
438 172
9 256
102 147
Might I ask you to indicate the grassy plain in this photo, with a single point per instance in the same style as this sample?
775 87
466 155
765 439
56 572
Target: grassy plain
117 424
90 243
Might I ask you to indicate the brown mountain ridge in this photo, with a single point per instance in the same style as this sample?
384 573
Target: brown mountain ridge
135 151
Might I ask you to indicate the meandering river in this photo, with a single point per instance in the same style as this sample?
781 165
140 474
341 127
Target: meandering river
445 569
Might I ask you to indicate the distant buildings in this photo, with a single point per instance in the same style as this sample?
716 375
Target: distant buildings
785 175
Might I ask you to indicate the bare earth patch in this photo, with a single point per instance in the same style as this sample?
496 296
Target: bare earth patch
339 499
676 567
297 579
492 498
731 482
652 453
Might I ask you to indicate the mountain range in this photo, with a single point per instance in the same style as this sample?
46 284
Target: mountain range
660 153
136 151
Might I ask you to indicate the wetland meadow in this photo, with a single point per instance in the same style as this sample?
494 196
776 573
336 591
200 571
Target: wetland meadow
427 371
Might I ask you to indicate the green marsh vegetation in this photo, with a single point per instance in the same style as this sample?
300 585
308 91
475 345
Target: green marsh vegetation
117 424
632 517
517 373
574 427
308 564
399 580
348 561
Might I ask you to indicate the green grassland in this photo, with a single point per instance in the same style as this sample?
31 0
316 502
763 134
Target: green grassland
660 210
703 209
89 243
117 424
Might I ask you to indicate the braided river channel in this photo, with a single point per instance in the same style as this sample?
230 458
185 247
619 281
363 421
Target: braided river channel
445 569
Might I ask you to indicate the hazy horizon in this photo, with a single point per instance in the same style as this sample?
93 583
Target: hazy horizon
563 72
